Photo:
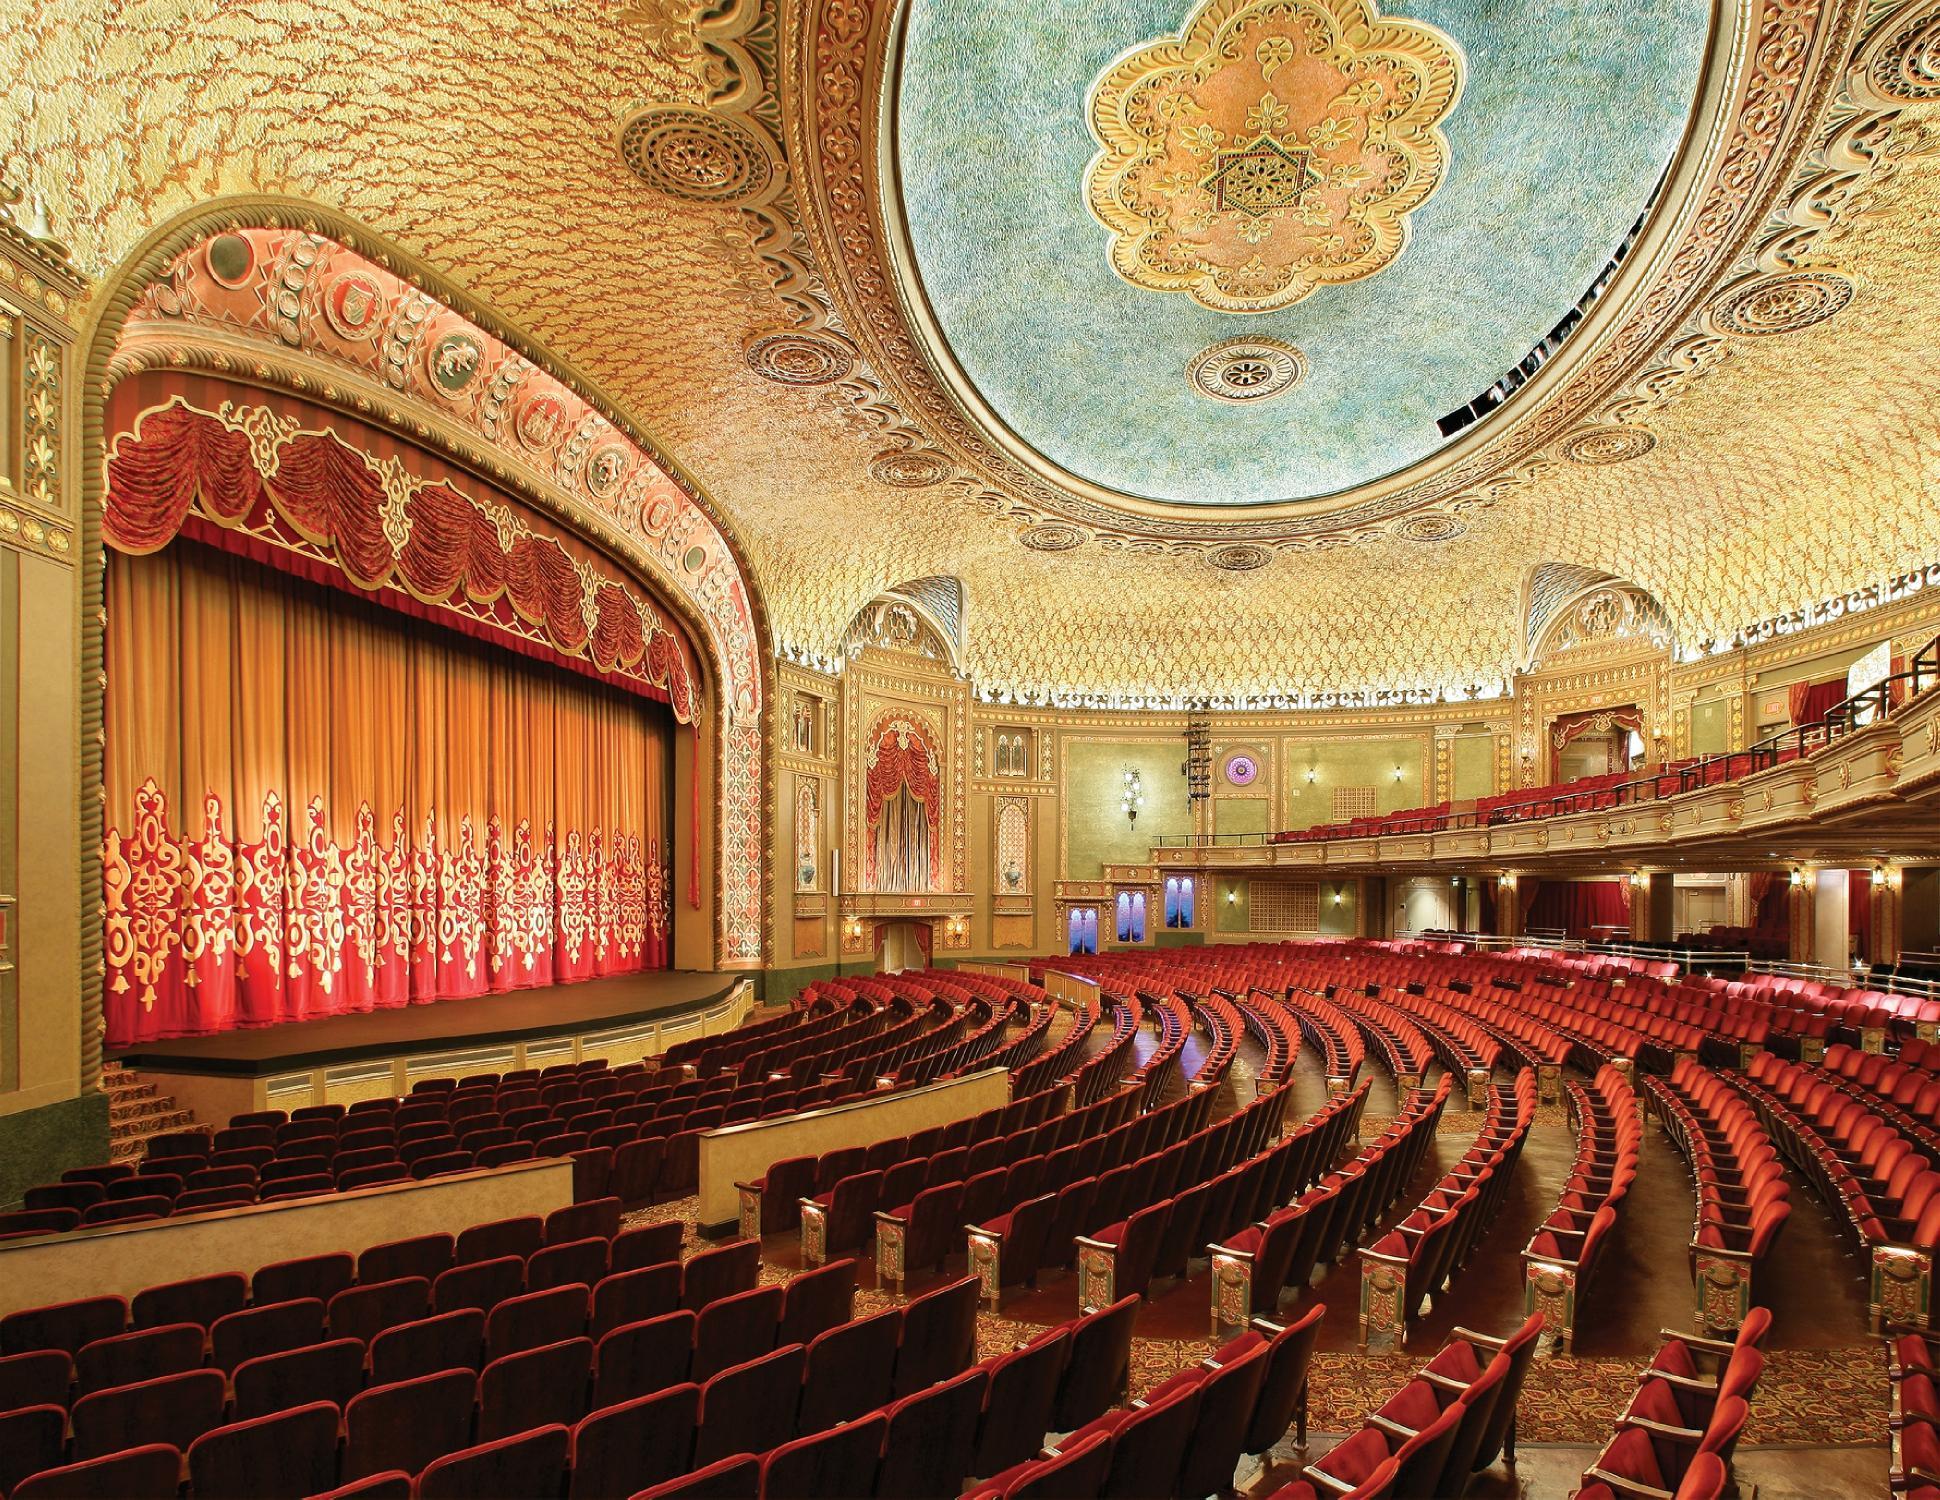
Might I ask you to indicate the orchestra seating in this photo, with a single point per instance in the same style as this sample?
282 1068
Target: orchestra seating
1563 1253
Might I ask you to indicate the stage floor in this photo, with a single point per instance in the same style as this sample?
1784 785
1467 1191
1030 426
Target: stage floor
481 1021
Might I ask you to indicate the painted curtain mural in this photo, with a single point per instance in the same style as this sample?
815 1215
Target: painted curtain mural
317 806
903 807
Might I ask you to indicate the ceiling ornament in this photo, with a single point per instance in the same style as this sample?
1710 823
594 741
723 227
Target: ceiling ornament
1778 63
698 156
1608 445
1781 304
801 357
1429 526
1901 65
1272 148
1245 370
909 468
1052 536
1239 557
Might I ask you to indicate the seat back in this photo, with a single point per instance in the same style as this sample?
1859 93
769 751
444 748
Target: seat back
931 1441
939 1336
626 1446
285 1454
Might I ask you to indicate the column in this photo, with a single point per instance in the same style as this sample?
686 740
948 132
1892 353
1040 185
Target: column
1508 909
1887 896
1801 932
1660 904
1830 947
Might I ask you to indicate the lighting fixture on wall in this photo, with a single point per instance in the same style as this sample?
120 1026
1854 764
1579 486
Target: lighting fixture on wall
1339 897
1798 877
1313 773
1397 773
1132 798
1232 895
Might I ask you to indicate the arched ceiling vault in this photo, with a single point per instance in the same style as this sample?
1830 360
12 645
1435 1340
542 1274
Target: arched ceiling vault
1779 444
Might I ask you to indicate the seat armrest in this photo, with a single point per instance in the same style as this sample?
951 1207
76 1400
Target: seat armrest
1626 1486
1684 1437
1327 1482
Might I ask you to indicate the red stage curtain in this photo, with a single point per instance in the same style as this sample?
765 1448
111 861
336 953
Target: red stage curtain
1577 906
317 805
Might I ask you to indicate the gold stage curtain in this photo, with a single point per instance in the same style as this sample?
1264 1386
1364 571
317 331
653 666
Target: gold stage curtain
316 805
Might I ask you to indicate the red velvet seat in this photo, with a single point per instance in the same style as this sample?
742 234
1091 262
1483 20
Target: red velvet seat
931 1441
332 1371
734 1329
500 1237
850 1370
318 1276
561 1265
600 1217
646 1245
750 1408
634 1296
1148 1446
174 1409
63 1325
31 1439
1076 1473
639 1359
625 1446
939 1336
285 1456
444 1341
841 1461
533 1386
1099 1365
737 1477
714 1274
76 1196
1020 1401
364 1311
149 1472
817 1300
530 1463
146 1354
37 1378
265 1329
408 1424
536 1319
481 1284
425 1255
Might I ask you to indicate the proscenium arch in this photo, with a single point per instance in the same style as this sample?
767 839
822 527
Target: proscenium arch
100 338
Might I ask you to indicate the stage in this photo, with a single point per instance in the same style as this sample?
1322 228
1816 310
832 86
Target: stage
341 1059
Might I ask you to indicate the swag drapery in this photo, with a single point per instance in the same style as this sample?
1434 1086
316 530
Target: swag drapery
317 805
903 809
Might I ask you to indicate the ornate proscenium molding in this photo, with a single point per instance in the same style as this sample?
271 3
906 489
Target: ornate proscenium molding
1769 85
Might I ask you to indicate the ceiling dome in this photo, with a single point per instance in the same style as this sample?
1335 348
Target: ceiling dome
1255 251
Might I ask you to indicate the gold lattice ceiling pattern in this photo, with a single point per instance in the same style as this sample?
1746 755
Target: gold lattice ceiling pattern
1763 470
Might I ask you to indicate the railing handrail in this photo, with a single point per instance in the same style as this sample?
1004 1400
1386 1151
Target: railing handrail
1860 710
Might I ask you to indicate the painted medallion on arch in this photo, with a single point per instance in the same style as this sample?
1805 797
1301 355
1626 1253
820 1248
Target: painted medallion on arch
1272 148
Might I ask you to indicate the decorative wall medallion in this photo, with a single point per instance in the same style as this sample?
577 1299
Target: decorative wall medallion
1246 369
540 419
605 471
453 362
1272 147
1608 445
1429 526
1241 769
697 155
353 305
909 468
231 260
1239 557
1782 303
801 357
1052 536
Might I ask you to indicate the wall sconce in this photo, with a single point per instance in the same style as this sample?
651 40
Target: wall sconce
1397 773
853 927
1798 878
1232 895
1639 879
1339 896
1313 773
1132 798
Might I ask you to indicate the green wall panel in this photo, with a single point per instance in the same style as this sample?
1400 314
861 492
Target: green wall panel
1350 763
1473 767
1710 727
1242 815
1097 832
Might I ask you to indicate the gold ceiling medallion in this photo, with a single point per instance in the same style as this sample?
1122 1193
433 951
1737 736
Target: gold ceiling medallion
1052 536
1608 445
1429 526
1782 303
801 357
1271 148
909 468
1246 370
698 156
1239 557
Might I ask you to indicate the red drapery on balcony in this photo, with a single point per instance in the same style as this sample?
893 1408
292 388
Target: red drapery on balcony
902 760
1859 911
1807 702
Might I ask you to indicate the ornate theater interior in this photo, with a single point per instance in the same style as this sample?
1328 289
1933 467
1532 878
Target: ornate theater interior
928 748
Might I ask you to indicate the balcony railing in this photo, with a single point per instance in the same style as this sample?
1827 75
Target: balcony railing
1869 706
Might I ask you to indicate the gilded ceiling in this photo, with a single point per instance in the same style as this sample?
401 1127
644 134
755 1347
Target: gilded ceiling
1772 437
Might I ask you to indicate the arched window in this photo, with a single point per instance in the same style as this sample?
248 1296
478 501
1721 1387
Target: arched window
1124 916
1138 916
